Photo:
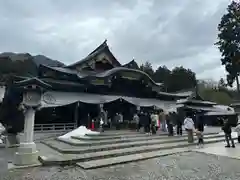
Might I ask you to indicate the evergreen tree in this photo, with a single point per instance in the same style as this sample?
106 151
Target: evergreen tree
229 42
147 68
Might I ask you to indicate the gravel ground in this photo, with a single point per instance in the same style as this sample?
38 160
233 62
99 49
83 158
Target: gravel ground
185 166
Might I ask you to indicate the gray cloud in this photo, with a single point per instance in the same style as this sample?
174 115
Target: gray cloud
163 32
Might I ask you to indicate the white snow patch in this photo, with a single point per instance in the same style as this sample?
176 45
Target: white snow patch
2 92
224 108
80 131
2 129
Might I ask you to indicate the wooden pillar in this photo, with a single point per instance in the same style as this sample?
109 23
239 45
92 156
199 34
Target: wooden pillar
76 115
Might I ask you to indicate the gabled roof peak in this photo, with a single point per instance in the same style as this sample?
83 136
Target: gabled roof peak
101 48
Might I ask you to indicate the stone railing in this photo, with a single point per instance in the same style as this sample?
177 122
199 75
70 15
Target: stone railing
54 127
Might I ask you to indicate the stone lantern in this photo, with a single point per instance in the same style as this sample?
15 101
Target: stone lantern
32 89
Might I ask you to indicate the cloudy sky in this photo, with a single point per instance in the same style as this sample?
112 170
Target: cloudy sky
164 32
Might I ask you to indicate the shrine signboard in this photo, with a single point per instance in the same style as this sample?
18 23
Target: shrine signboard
130 75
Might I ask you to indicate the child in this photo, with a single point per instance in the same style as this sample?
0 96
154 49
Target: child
237 129
200 129
199 135
101 125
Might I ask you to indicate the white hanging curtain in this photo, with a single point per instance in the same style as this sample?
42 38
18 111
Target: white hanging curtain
54 99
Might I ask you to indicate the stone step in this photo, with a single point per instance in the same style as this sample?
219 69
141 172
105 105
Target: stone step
118 136
52 155
135 150
121 139
114 136
128 159
118 156
114 133
76 141
99 163
67 149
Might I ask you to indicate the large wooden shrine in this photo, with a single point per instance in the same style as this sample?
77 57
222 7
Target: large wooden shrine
101 73
99 80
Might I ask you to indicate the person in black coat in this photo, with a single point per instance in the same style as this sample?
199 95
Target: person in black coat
228 131
179 124
147 122
200 128
141 120
169 121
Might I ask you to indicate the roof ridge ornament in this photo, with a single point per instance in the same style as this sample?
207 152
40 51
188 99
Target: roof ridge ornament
105 42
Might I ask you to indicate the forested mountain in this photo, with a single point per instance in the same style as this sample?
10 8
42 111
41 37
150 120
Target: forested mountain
23 64
38 59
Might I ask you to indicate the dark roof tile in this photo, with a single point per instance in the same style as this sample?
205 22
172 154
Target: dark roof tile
103 47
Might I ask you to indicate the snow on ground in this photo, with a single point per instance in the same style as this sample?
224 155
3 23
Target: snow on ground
2 128
80 131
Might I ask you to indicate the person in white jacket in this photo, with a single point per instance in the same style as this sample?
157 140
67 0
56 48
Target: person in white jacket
237 129
189 127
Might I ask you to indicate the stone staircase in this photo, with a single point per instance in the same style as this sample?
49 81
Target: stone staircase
114 147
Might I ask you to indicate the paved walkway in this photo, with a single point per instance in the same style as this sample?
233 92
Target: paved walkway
220 150
183 166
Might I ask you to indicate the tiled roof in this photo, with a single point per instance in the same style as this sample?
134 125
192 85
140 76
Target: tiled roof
103 47
34 80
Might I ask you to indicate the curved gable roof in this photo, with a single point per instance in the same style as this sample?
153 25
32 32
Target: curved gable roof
121 69
100 49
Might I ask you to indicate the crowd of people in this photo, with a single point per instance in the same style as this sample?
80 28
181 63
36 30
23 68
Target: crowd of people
151 122
167 122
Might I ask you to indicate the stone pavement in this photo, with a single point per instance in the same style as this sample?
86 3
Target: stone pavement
181 166
220 150
6 155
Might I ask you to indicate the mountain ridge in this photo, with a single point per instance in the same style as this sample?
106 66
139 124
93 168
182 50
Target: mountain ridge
37 59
